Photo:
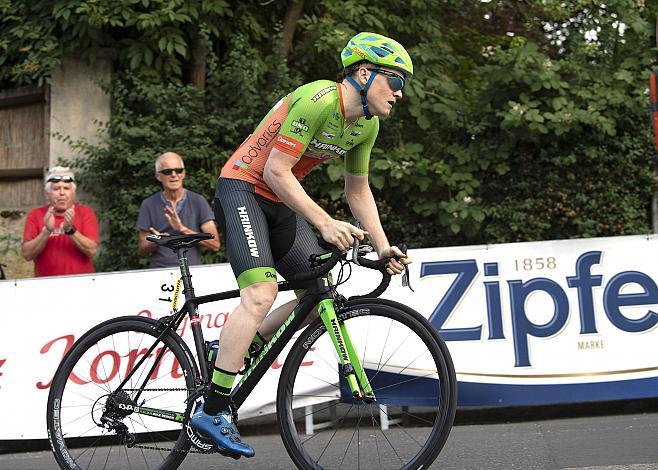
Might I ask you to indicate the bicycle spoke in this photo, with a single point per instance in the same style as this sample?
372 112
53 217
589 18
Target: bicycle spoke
332 437
402 428
391 445
374 433
403 364
101 360
347 448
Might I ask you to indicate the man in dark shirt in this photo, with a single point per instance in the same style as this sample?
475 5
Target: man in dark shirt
174 211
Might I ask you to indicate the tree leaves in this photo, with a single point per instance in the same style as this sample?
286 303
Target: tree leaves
523 121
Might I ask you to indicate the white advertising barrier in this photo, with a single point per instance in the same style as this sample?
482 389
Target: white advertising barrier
526 323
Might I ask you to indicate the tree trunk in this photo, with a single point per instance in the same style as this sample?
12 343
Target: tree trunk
198 61
293 13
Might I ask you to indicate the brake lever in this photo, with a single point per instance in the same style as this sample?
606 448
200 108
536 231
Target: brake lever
356 245
405 276
355 251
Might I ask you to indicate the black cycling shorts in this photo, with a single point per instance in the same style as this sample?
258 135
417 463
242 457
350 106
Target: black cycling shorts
261 235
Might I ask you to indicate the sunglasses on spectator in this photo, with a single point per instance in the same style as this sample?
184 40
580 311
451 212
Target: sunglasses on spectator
63 179
169 171
395 81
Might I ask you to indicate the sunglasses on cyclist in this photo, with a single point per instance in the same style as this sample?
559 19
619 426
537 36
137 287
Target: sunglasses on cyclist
169 171
57 179
395 81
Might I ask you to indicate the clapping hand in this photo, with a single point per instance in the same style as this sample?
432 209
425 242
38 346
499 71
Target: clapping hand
68 219
172 217
49 219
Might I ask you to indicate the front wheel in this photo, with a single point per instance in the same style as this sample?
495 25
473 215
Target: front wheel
95 421
413 379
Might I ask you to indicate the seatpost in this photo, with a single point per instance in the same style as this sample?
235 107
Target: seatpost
188 290
195 323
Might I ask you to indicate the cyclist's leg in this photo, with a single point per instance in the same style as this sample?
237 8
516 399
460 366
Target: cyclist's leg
247 240
293 242
245 228
241 326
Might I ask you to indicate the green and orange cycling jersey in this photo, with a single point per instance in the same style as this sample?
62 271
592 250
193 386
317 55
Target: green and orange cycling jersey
308 124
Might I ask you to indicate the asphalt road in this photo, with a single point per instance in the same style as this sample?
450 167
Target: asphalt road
613 442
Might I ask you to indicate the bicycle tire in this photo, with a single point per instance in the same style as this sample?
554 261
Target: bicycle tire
409 368
83 390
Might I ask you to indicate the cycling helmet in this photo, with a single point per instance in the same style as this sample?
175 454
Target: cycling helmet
379 50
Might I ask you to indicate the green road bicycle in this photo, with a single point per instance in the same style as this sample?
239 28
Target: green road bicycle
375 368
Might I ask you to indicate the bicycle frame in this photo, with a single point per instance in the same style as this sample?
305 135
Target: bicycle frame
318 293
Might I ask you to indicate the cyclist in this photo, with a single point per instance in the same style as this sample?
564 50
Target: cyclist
263 209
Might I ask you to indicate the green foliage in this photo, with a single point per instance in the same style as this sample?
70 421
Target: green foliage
149 119
524 120
10 244
148 37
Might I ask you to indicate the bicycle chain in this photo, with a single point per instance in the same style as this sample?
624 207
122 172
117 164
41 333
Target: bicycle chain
192 449
160 389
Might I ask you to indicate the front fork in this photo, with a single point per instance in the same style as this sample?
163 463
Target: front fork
351 367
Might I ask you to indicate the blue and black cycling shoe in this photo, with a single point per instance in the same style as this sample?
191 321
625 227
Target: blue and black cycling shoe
222 430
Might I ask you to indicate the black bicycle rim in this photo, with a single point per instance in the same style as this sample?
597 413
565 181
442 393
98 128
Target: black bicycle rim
84 394
412 378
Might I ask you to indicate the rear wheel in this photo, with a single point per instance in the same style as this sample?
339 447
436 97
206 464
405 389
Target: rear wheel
94 424
413 379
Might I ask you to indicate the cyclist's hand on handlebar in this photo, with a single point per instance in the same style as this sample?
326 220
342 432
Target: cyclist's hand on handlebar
341 233
397 260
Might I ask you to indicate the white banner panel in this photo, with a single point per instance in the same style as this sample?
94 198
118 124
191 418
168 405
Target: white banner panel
526 323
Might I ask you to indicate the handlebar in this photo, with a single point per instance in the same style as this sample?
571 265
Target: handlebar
337 255
320 270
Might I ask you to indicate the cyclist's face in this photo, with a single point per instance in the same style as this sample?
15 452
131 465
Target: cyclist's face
381 97
174 180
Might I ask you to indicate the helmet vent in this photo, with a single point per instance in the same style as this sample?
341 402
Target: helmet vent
380 52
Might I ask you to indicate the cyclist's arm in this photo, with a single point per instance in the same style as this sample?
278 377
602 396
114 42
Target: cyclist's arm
358 193
278 176
363 207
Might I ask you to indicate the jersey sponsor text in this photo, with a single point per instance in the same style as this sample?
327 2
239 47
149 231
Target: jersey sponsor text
248 231
288 143
258 146
322 92
337 149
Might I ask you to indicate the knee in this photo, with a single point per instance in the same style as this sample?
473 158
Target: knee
258 298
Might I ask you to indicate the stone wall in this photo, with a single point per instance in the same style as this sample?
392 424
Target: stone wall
11 234
30 123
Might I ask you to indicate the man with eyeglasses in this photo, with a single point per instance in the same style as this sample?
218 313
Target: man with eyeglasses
174 211
62 236
265 213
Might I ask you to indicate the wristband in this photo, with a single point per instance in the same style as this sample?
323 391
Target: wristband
71 231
